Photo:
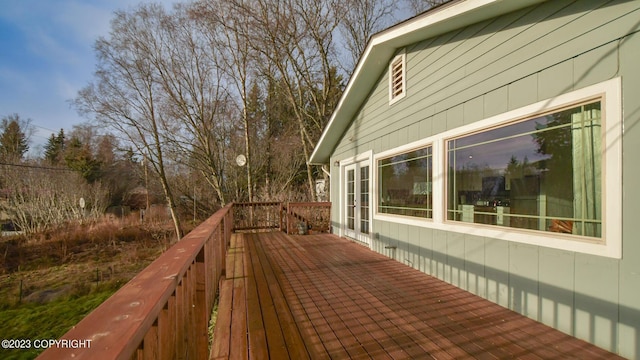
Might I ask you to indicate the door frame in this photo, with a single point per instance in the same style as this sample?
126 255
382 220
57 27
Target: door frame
355 163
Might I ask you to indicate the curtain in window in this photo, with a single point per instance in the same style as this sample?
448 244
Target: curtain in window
587 170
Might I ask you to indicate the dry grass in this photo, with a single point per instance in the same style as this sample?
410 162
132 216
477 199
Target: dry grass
70 261
51 281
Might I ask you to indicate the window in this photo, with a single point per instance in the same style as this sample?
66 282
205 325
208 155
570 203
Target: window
546 174
542 173
405 183
397 81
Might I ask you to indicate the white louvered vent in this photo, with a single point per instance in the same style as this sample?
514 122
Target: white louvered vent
397 78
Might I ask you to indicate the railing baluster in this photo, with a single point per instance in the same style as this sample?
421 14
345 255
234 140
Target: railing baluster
163 313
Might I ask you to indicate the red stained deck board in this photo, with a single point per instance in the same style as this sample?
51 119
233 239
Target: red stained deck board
321 297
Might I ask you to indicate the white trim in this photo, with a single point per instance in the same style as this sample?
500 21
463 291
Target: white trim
408 220
610 245
366 156
383 45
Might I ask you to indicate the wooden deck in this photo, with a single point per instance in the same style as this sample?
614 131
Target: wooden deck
322 297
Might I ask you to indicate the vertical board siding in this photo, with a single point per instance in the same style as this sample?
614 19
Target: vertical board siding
487 69
557 285
630 265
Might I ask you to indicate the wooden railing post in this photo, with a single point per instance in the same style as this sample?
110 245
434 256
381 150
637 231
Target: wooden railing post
201 306
163 312
289 218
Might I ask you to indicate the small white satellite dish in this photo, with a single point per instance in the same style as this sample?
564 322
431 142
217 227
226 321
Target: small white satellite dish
241 160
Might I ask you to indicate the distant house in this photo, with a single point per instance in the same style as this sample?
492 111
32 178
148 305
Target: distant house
494 145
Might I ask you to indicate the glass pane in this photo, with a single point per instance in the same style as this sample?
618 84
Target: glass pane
364 199
351 199
542 173
405 184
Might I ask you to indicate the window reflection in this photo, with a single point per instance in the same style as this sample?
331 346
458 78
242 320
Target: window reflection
542 173
405 186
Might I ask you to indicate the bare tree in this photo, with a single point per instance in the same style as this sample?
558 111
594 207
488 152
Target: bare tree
293 41
39 198
419 6
228 30
197 102
211 79
361 19
126 94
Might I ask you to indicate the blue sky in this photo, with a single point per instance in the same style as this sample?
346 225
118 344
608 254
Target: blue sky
47 56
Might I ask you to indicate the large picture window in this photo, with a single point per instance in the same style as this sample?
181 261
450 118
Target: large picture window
405 183
542 173
545 174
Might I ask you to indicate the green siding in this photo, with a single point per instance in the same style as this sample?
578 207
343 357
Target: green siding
523 278
497 271
413 247
630 264
555 80
426 250
474 256
455 272
487 69
557 284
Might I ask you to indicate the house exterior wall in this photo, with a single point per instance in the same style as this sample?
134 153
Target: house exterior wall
453 80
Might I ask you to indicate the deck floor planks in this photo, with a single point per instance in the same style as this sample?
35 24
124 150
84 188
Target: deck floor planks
365 329
345 301
220 348
313 303
239 342
283 337
258 314
394 325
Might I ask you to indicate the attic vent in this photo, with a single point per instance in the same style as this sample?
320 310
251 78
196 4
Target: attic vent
397 78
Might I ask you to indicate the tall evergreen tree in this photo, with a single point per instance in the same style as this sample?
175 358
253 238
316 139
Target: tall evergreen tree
78 157
13 141
53 149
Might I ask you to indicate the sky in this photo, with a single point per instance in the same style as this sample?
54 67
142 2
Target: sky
47 56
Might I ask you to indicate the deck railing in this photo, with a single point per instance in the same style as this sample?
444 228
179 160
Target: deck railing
308 216
289 217
163 312
257 216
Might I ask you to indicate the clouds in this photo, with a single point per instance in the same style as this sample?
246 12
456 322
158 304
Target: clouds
46 56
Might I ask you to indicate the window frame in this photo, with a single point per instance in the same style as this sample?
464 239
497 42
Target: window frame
396 152
515 216
404 219
393 97
608 245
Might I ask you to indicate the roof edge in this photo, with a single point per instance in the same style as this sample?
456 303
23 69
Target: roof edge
383 45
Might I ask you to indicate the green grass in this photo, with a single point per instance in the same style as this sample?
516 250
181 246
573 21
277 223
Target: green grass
46 321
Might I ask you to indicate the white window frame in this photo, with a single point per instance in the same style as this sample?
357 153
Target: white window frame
405 219
403 63
609 245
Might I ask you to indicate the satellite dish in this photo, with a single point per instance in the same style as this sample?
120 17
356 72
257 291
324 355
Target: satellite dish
241 160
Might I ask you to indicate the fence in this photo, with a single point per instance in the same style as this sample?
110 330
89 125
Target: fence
257 216
304 217
294 218
164 311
